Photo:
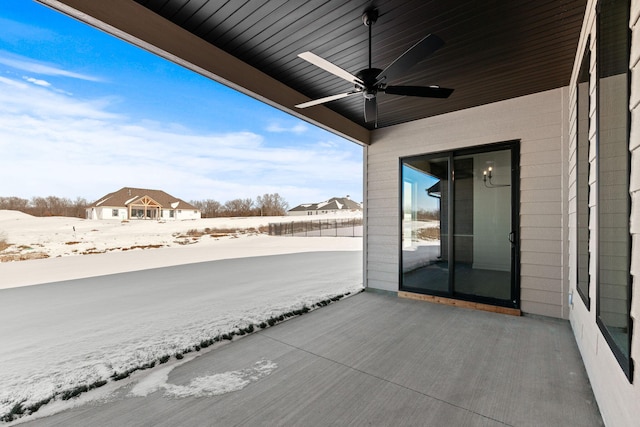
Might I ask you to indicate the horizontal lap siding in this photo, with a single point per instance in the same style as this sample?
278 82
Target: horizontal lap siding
536 120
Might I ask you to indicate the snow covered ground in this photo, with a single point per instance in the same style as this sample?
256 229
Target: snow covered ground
63 236
85 318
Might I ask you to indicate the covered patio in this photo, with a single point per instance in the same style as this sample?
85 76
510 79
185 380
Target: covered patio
377 360
545 99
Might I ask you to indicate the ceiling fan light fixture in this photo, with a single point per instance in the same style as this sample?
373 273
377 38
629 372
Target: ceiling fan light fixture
370 94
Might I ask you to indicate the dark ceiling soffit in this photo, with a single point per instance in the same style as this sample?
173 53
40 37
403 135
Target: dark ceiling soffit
123 18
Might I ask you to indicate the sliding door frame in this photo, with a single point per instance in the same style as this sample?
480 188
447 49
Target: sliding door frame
514 147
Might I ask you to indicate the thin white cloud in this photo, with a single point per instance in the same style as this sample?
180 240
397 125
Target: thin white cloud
53 144
38 82
297 128
37 67
328 144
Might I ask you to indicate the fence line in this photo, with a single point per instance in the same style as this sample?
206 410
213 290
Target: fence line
351 227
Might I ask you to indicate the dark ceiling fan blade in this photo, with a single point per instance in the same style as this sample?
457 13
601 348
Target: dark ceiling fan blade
328 66
370 110
416 53
325 99
423 91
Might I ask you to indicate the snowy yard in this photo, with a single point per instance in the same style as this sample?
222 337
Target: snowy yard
32 237
117 311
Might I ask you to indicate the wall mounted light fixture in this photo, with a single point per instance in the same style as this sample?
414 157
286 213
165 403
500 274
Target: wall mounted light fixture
487 175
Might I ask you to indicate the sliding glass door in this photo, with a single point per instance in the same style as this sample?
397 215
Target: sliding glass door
425 224
459 225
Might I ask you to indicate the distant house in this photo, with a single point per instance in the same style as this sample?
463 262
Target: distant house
333 205
137 203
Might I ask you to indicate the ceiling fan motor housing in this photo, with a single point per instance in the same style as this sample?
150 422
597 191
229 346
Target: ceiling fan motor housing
370 16
368 77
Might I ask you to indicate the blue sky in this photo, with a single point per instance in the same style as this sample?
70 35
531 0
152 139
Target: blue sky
423 181
83 114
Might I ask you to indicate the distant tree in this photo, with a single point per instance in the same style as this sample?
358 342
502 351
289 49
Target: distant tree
38 206
239 207
210 208
424 214
272 205
46 206
13 203
58 206
79 208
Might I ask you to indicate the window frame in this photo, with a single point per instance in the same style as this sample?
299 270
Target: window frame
624 360
585 65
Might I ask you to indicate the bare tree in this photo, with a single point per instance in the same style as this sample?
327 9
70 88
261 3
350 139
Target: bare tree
14 203
239 207
46 206
79 208
210 208
38 206
272 205
58 206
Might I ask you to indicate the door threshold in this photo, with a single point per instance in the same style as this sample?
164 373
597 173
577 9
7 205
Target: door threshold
460 303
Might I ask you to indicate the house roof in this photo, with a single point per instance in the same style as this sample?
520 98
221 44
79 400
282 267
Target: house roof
335 203
129 195
493 50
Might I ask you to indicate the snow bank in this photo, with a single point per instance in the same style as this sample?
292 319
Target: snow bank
13 215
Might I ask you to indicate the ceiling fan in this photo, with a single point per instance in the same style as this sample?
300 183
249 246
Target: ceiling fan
370 81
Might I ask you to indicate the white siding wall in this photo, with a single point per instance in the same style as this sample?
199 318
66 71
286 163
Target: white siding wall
617 397
539 122
299 213
106 212
187 214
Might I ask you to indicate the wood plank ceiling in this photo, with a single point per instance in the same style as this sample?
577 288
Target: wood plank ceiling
494 49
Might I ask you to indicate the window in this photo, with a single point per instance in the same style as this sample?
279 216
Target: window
613 167
582 177
114 212
171 212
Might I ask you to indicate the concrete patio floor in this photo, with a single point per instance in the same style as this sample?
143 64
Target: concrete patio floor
378 360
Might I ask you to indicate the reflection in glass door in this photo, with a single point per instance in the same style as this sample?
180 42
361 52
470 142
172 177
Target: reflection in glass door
471 193
424 229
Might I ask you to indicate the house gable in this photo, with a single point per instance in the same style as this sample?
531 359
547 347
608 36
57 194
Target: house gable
145 201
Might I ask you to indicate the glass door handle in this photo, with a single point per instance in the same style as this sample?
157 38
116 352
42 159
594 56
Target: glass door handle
512 238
